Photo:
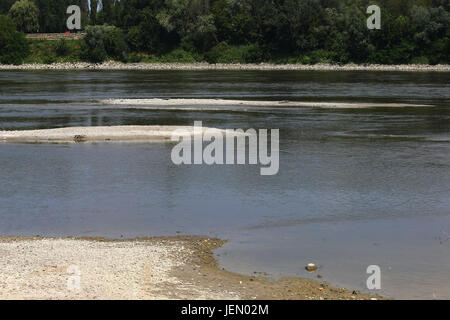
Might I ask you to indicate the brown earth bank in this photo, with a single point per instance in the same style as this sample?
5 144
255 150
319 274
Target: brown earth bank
151 268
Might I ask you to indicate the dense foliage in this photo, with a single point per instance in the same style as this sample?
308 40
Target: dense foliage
25 14
297 31
103 41
52 14
13 45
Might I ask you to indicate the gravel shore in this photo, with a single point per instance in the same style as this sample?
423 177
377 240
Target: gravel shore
144 269
205 66
99 134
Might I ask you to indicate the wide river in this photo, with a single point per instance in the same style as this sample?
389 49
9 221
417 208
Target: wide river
356 186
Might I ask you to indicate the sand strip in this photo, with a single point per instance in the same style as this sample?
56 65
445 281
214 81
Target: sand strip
143 269
205 66
160 103
98 134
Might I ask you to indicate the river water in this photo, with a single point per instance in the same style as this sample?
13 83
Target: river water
356 187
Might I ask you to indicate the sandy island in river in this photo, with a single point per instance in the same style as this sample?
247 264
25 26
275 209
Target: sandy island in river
154 268
98 134
161 103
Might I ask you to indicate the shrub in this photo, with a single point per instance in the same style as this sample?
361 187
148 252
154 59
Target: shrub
49 58
13 45
252 53
305 60
400 53
92 46
321 56
115 45
217 53
62 48
101 42
178 55
224 53
133 38
134 58
25 14
420 60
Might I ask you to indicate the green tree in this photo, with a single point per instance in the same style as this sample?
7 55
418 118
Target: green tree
356 33
304 31
115 45
13 45
5 5
101 42
148 35
53 14
107 14
93 11
192 21
25 15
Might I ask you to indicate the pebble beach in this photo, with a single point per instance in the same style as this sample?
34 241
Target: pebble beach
142 269
205 66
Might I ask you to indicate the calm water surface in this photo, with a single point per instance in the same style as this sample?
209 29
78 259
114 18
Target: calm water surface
356 187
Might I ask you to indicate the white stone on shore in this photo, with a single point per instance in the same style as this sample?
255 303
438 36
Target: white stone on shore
311 267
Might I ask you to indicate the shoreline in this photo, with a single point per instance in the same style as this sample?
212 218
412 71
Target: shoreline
111 66
181 268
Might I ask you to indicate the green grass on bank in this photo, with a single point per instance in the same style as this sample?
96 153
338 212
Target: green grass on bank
59 51
51 51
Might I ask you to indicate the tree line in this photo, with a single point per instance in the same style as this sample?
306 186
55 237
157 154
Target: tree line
299 31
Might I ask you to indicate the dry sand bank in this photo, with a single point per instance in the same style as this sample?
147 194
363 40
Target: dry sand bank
206 66
160 103
156 268
97 134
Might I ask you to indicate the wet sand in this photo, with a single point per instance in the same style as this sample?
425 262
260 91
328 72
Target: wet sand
99 134
154 268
